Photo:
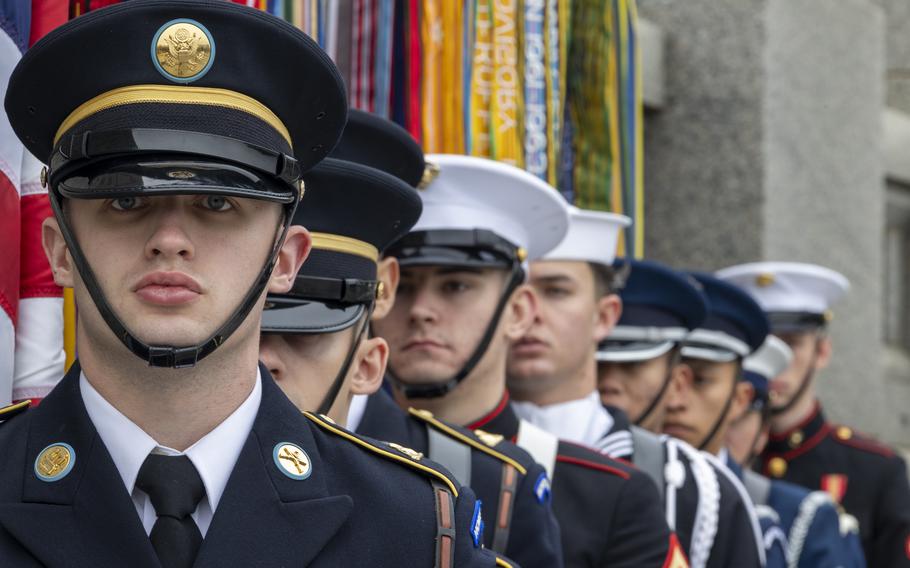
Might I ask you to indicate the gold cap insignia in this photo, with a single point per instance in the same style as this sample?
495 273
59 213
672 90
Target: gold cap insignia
828 315
844 433
55 462
413 454
522 254
764 280
430 172
777 467
292 460
488 438
183 50
796 438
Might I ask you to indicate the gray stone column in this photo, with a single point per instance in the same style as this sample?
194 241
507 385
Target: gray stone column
768 147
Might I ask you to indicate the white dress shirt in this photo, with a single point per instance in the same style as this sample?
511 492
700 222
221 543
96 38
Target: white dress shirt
214 455
356 410
582 421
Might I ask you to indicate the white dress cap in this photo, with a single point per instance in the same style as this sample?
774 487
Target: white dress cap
788 286
476 193
592 237
771 359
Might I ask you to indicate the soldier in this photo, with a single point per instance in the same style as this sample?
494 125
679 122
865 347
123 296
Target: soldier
175 152
867 478
809 518
638 364
703 405
314 344
460 303
552 377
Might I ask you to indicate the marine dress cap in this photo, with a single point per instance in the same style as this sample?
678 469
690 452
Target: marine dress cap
771 359
479 212
659 308
374 141
353 212
592 237
735 326
795 295
177 97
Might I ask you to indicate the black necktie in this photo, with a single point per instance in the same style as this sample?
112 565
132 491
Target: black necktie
175 489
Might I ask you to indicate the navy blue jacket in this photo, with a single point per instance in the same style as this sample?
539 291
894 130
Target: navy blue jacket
863 476
363 504
533 534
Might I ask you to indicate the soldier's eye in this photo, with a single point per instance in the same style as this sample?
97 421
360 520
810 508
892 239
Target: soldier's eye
217 203
126 203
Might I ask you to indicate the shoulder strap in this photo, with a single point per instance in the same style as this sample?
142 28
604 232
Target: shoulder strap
542 445
503 521
11 410
387 450
451 453
648 456
758 487
445 526
799 530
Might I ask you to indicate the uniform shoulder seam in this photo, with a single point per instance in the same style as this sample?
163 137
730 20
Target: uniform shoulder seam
593 465
10 411
390 453
440 426
847 437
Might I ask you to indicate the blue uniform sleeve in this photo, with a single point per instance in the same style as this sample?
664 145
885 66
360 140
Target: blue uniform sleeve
533 516
469 551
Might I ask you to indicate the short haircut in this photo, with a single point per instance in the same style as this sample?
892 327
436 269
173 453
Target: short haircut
604 279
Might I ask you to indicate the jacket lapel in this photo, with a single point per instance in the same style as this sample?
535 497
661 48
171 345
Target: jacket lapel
86 515
264 510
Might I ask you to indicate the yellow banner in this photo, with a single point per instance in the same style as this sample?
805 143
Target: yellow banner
443 99
507 98
482 74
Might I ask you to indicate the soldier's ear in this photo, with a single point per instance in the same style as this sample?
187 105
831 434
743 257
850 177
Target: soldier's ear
520 312
293 252
58 254
609 308
369 366
823 353
742 399
388 272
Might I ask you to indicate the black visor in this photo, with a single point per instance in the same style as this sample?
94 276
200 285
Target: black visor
287 314
127 177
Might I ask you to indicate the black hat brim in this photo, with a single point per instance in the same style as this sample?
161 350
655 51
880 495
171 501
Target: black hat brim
292 316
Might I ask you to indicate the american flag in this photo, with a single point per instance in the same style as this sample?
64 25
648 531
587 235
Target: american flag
32 356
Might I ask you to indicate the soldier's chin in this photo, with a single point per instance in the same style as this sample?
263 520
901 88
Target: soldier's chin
175 336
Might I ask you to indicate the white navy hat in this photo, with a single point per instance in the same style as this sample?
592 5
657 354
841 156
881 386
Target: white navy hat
592 237
479 212
795 295
771 359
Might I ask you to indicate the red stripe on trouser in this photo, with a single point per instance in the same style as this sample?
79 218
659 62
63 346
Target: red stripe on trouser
36 280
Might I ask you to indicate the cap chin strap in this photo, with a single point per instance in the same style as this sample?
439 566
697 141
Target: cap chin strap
723 413
167 356
807 378
329 399
674 360
516 277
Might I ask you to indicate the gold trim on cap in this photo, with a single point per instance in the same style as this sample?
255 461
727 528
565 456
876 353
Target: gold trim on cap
173 94
339 243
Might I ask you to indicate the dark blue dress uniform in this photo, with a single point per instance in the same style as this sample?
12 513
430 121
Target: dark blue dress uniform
167 97
364 504
514 488
714 524
712 521
609 512
863 476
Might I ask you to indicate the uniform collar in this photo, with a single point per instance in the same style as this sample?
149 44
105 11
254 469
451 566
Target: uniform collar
213 455
355 411
501 420
582 421
804 433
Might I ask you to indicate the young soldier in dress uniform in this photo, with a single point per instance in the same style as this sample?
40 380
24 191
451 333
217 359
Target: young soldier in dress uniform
552 377
867 478
175 151
701 407
314 340
637 366
460 302
809 518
